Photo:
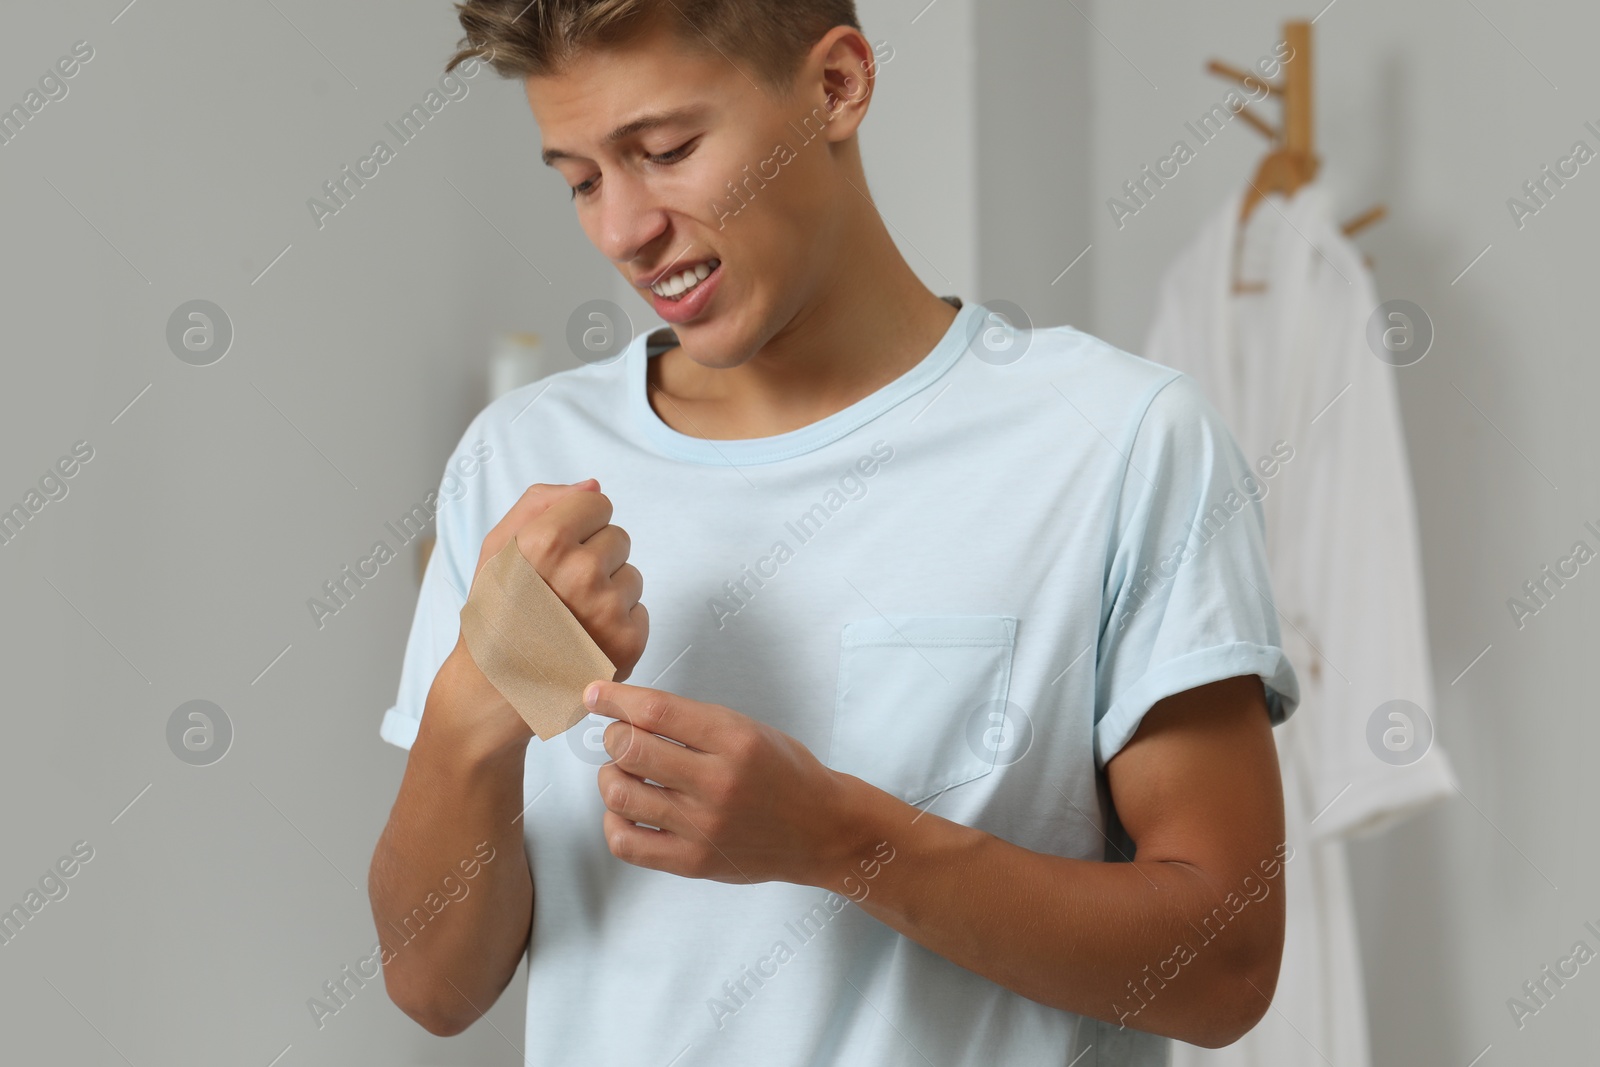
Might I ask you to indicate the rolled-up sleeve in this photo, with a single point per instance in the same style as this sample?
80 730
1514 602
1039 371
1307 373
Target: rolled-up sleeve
434 627
1188 597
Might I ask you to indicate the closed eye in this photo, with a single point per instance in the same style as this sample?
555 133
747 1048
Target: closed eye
665 159
677 155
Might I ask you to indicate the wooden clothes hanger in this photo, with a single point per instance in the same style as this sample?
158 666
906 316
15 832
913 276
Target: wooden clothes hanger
1293 161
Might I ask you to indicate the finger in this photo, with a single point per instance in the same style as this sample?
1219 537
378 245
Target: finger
535 500
637 845
629 585
569 521
586 571
704 727
647 755
639 620
611 545
636 800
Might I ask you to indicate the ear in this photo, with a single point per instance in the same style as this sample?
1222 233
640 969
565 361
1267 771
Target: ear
849 73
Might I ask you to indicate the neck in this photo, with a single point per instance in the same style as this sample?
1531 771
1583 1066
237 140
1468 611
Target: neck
869 322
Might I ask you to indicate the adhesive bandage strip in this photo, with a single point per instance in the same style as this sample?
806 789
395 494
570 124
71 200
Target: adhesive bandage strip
529 644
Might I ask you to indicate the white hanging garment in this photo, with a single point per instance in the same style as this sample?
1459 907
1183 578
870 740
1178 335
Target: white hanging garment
1290 368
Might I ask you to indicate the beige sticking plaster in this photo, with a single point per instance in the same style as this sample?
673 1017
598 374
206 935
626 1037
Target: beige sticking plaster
529 644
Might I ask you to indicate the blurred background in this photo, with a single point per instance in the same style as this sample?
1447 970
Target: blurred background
217 484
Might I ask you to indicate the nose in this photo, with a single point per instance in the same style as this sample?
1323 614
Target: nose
629 218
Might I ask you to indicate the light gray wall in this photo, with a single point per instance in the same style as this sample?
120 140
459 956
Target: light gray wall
1442 111
179 565
1034 118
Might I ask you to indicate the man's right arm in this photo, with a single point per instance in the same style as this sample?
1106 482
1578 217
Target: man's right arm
463 782
462 787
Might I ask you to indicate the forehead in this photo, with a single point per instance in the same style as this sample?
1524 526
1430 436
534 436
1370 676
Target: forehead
606 93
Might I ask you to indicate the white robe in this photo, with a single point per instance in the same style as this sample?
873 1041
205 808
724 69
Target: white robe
1346 576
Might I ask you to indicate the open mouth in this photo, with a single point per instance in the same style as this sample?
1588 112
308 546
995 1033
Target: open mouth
677 286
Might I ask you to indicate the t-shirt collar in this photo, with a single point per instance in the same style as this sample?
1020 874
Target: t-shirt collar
733 453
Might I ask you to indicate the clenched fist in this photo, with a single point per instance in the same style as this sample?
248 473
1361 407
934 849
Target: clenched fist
565 532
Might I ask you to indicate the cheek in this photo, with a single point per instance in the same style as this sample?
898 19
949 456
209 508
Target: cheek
776 219
766 183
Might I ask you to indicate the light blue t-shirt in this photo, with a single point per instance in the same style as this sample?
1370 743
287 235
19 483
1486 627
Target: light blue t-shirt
966 588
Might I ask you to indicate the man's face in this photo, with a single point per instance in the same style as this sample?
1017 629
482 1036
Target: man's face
729 182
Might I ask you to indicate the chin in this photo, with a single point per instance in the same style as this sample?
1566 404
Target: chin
712 355
715 345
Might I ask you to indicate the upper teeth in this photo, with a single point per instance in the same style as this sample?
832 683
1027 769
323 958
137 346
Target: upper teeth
682 283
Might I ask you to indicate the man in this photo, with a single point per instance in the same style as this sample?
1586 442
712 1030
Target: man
955 743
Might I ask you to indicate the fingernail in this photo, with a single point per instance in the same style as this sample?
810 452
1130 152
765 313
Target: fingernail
591 695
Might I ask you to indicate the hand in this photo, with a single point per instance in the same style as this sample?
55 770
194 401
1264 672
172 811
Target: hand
563 531
738 801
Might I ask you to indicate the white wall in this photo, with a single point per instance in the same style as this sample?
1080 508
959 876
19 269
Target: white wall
1425 106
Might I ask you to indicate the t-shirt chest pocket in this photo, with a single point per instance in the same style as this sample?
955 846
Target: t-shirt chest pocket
916 697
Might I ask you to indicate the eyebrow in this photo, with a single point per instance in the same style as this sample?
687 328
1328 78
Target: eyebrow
690 113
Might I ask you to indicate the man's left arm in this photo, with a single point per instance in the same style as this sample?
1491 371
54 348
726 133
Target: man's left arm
1184 940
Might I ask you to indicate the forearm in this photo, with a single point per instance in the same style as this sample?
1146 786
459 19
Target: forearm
460 790
1140 944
